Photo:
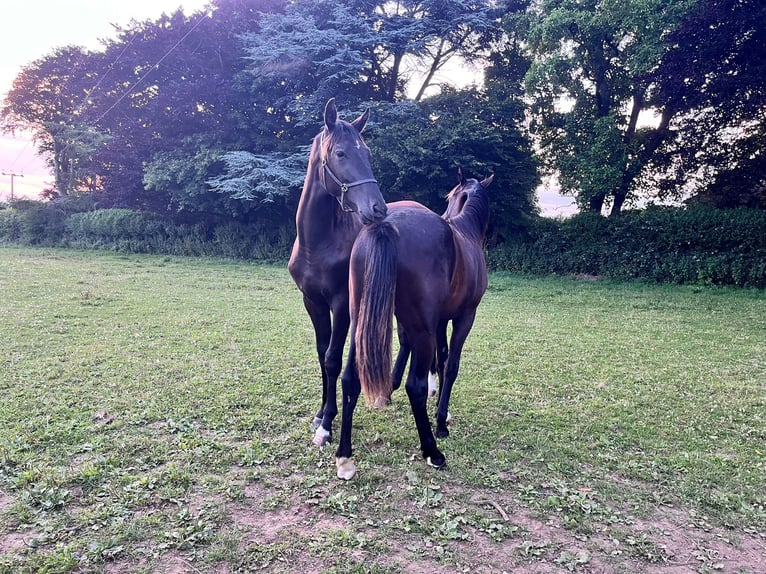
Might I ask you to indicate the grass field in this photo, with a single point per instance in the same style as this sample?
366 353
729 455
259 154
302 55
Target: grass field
154 417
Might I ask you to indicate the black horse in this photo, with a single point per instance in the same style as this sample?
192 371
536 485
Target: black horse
339 195
428 271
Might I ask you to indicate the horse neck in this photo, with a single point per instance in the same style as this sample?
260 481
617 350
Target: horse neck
319 219
472 220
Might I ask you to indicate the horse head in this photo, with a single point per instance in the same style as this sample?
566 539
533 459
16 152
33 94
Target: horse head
470 193
460 194
346 170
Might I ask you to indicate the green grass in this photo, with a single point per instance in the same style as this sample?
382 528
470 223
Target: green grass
156 411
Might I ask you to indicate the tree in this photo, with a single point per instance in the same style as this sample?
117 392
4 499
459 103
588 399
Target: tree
418 146
712 81
589 86
361 50
49 99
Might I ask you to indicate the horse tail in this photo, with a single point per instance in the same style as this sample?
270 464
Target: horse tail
375 312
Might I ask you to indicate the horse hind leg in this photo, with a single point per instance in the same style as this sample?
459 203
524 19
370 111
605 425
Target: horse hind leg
351 389
402 357
436 374
460 329
417 391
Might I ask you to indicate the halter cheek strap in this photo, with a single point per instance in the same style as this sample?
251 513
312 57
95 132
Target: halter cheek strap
344 187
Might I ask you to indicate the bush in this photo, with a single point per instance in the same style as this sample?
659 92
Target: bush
31 223
668 245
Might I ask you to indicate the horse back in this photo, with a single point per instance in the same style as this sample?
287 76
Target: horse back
426 262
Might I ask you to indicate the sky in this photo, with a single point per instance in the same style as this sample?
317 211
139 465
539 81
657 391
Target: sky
32 29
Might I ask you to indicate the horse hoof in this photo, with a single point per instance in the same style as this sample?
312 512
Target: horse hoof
436 461
346 468
442 432
322 436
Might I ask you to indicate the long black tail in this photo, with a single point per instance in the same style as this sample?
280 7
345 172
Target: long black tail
374 326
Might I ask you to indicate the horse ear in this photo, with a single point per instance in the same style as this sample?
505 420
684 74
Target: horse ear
330 114
460 178
361 121
487 180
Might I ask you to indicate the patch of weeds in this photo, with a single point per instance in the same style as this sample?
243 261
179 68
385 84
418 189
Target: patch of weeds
96 472
61 559
330 543
430 496
262 556
449 525
254 454
188 531
642 547
534 550
341 503
363 568
496 530
572 560
45 497
105 550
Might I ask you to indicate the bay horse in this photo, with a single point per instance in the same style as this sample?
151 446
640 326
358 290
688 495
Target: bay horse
339 196
475 267
421 268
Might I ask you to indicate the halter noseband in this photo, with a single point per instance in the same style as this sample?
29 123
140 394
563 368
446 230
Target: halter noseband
344 187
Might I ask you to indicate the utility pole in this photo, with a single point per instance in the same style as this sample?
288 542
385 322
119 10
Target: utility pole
13 175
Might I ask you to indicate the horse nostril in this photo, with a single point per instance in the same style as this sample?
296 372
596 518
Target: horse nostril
380 210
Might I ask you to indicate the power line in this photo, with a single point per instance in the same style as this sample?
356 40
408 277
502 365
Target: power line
151 69
86 99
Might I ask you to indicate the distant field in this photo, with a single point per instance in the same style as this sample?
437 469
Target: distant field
154 417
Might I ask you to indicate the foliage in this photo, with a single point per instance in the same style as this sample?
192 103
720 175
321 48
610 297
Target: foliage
666 245
714 78
130 231
263 178
182 114
417 148
48 97
359 50
588 88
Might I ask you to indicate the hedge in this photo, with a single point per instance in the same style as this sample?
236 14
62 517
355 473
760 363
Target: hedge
666 245
124 230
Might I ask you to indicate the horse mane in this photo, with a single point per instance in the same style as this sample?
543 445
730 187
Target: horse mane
473 219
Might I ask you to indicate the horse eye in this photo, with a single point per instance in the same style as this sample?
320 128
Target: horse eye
340 153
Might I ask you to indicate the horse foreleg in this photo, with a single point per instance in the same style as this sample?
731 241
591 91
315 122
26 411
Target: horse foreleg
333 360
417 391
460 329
319 313
350 389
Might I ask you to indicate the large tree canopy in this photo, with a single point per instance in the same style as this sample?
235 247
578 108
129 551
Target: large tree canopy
588 87
207 115
713 82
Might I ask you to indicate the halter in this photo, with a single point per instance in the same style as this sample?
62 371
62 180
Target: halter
344 187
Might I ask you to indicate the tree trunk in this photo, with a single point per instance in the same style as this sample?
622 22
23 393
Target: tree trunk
435 65
619 200
596 203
